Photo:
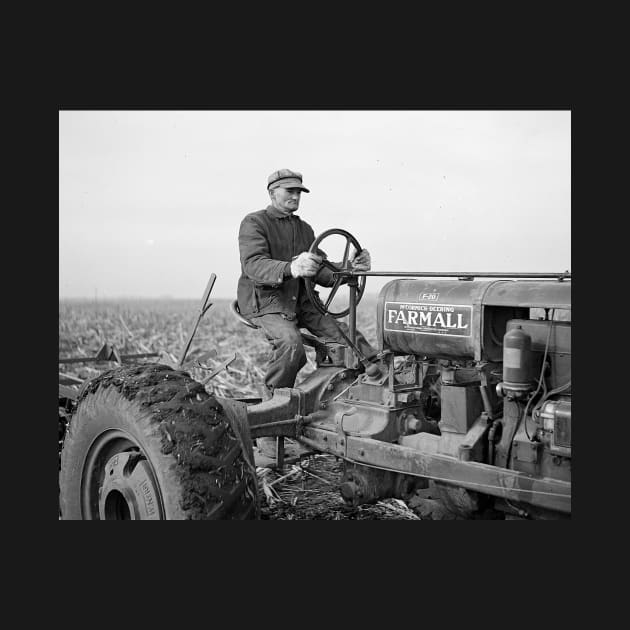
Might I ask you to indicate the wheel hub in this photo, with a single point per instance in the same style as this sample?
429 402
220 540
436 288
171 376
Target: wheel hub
129 490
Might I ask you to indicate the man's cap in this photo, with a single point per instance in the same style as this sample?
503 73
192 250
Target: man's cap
285 178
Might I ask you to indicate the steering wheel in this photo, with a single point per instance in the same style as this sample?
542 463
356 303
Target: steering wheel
345 265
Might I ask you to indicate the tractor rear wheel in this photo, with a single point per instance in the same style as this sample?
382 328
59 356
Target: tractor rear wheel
149 443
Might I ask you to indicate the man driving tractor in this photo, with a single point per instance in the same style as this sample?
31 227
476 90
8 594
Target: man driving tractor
274 244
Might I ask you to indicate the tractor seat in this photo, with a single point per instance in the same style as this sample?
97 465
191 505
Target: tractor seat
236 311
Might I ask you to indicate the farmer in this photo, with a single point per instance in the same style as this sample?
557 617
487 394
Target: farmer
273 245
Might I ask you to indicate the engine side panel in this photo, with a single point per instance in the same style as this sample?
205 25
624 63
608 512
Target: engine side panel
440 318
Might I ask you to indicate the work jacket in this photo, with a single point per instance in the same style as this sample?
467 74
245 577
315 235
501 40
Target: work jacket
268 241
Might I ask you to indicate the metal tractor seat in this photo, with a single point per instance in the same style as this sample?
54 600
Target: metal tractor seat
236 311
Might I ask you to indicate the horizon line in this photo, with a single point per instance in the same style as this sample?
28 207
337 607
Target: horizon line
155 297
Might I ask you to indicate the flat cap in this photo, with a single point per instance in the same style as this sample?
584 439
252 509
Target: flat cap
285 178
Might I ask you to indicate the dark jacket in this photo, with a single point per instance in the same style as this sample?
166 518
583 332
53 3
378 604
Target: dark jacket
268 241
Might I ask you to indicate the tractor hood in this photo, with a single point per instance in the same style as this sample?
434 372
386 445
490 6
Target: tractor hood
459 318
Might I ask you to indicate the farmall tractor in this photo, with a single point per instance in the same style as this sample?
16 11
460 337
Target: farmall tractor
470 392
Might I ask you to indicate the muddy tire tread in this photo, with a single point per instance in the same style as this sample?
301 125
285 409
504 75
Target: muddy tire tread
203 471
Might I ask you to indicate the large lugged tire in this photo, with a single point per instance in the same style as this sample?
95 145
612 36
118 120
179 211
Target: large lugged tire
149 443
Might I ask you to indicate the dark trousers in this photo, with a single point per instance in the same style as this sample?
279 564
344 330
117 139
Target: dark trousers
289 356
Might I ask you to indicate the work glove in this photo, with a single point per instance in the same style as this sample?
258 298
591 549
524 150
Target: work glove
305 265
362 262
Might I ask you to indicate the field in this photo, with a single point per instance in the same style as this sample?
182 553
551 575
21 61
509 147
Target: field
139 326
308 491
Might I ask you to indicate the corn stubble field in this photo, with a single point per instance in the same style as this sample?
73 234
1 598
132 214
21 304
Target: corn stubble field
307 491
138 326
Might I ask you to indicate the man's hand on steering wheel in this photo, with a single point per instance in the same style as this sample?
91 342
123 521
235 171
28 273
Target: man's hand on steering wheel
362 261
305 265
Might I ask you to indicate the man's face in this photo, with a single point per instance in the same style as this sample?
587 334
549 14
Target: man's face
287 200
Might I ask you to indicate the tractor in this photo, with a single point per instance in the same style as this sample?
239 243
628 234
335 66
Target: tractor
469 395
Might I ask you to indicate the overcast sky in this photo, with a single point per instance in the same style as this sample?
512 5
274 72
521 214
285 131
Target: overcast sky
150 202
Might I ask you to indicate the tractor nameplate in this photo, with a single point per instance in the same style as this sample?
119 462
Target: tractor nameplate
428 319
